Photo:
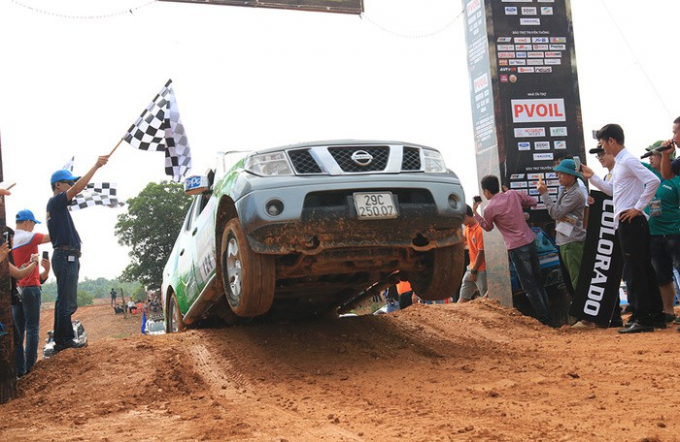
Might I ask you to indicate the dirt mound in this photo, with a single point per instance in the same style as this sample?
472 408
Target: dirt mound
472 372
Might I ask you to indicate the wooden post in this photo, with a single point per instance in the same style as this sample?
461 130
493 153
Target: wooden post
8 377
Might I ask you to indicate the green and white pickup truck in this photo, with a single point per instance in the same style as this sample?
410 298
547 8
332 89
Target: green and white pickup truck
305 229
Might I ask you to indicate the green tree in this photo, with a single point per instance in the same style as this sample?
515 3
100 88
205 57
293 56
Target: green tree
150 228
85 298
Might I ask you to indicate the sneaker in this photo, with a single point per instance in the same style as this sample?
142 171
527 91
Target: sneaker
68 344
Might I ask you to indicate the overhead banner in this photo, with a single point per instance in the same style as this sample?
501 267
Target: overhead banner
600 274
338 6
524 90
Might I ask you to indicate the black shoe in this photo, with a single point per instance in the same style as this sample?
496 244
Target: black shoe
68 344
636 327
669 317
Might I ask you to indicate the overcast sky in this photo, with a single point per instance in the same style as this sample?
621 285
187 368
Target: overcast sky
75 74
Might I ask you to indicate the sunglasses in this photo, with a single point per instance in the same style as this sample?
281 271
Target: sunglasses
69 182
600 154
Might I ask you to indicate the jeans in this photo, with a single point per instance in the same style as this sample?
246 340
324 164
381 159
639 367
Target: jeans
665 250
525 260
27 319
643 290
65 266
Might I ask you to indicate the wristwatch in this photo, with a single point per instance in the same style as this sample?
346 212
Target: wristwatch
473 271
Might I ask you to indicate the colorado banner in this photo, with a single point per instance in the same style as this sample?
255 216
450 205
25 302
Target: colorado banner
600 275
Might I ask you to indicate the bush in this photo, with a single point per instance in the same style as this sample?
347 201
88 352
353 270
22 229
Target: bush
85 298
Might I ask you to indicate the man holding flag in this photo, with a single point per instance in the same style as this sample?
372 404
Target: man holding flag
66 255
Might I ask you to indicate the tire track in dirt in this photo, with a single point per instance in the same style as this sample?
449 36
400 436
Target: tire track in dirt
225 380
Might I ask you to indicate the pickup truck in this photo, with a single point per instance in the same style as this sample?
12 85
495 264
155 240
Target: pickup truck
304 229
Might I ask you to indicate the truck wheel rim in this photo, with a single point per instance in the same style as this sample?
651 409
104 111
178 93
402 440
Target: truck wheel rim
234 270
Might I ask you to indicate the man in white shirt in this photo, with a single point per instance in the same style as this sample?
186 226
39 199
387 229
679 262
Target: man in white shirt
632 187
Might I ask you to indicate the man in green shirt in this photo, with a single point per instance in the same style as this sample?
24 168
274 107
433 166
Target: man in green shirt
664 228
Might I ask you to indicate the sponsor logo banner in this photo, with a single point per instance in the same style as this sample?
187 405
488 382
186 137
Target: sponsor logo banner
543 157
560 131
529 132
530 21
540 110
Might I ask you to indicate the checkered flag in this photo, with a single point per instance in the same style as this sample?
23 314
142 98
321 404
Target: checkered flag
97 194
69 164
160 128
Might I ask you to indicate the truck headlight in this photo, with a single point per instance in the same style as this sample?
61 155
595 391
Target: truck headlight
269 164
434 163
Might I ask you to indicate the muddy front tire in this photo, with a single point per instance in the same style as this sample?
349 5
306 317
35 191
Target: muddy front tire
248 277
442 279
174 323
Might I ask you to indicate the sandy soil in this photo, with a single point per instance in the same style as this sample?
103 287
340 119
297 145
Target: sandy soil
474 372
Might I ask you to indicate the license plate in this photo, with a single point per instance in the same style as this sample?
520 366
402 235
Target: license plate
375 205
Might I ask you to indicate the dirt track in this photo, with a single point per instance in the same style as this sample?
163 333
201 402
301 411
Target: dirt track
476 372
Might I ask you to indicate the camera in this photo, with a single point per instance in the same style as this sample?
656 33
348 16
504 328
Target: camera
477 199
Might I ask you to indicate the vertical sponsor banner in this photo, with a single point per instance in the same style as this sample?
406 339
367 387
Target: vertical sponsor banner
524 89
600 274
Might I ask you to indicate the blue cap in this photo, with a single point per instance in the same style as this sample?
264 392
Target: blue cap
26 215
569 167
63 175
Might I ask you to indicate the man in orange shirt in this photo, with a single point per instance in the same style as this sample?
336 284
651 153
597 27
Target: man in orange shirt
475 277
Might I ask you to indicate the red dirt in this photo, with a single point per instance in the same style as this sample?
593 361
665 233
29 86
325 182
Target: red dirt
472 372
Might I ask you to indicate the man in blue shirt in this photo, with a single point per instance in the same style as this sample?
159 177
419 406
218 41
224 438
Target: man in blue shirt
66 255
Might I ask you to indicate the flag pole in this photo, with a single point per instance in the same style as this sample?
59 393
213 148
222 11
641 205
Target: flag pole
114 149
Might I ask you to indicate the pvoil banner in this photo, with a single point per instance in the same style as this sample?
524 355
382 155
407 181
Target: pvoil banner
338 6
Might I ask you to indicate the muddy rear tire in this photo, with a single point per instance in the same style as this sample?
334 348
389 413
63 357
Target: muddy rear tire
248 277
443 279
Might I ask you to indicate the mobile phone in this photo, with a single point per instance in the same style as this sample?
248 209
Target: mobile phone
5 237
577 162
477 199
46 255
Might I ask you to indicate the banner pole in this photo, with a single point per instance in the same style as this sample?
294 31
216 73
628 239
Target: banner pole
116 147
